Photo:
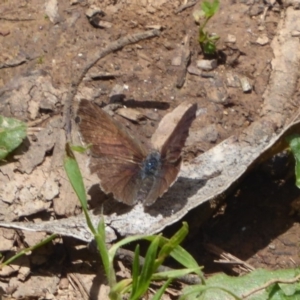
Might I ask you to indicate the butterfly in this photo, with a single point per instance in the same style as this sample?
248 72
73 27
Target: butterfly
126 168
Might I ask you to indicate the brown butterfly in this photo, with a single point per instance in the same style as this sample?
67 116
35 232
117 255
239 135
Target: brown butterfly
125 167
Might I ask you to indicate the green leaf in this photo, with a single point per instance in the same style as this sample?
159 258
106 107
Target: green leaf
172 243
147 270
161 291
127 240
74 175
224 287
100 238
135 269
209 47
12 133
121 287
27 250
185 259
210 8
75 178
294 143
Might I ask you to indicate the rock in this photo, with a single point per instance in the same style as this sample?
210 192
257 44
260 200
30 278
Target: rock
232 80
295 33
64 283
206 134
25 269
50 189
94 10
246 86
8 192
74 2
130 114
95 14
271 2
104 24
263 40
230 39
207 64
176 60
116 94
194 70
51 10
216 91
33 238
7 271
158 27
7 239
152 115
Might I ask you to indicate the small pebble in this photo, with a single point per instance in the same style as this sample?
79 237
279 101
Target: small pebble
93 10
232 80
295 33
158 27
64 283
176 61
263 40
116 94
104 24
206 64
194 70
230 38
246 86
272 247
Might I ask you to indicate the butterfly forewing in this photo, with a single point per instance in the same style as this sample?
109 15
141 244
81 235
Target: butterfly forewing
171 149
116 156
171 155
106 135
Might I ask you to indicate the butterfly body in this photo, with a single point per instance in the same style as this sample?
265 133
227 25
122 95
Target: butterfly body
124 166
151 165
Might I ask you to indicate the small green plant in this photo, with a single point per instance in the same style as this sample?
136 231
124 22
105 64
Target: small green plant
206 40
28 250
220 286
159 249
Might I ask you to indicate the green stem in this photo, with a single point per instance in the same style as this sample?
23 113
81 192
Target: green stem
24 251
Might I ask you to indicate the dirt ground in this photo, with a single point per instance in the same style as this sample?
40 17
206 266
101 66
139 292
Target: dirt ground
256 223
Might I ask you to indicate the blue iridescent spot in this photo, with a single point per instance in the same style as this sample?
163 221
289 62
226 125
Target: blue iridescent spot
151 165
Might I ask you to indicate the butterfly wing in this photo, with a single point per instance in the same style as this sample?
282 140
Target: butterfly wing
170 141
171 149
116 156
162 182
